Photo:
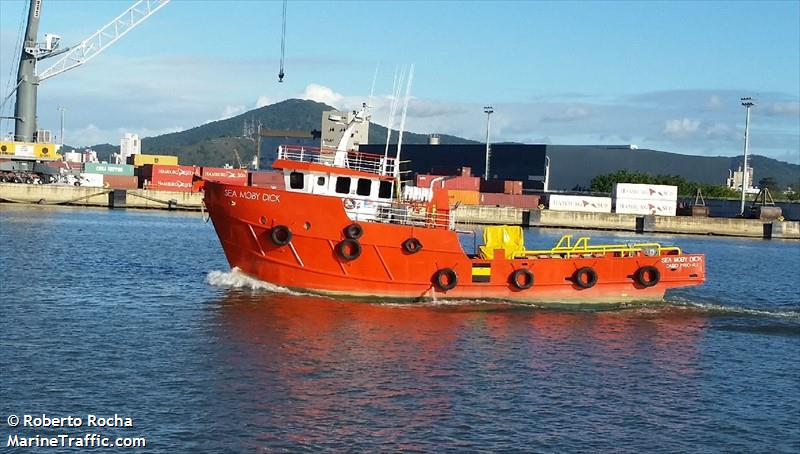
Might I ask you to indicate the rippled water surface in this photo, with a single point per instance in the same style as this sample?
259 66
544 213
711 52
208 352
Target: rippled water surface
137 313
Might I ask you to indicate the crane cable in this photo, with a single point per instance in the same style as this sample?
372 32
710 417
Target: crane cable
283 42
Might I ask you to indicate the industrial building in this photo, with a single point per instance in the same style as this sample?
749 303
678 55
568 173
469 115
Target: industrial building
508 161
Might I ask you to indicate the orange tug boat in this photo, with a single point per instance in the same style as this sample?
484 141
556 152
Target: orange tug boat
341 228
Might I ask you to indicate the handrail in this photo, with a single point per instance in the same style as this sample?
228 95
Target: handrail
355 160
565 247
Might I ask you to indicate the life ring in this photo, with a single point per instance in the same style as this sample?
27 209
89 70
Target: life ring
527 279
642 274
281 235
353 231
348 249
445 279
585 277
412 245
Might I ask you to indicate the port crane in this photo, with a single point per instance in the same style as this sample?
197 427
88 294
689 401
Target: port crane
29 143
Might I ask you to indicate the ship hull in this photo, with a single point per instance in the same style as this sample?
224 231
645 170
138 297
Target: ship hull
244 219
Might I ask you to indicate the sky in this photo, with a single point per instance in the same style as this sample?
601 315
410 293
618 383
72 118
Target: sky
661 75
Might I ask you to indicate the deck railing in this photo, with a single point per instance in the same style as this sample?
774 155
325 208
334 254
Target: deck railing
354 160
399 213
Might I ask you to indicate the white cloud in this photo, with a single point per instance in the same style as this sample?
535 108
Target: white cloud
321 93
232 111
571 113
91 134
790 109
263 101
681 128
714 102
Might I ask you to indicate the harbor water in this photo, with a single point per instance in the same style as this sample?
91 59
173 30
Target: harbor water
137 314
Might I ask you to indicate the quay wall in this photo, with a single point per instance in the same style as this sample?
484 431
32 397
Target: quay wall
48 194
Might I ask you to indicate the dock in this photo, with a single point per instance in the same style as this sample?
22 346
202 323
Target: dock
465 214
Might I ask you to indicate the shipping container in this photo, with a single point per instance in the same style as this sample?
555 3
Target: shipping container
460 183
559 202
120 181
222 175
176 186
143 159
645 191
501 186
91 180
272 180
646 207
510 200
108 169
463 197
177 178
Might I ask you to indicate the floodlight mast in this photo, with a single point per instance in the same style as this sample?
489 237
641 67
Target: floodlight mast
27 79
747 103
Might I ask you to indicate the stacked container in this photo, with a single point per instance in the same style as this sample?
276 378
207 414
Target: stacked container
464 197
104 168
645 199
510 200
462 183
166 178
501 186
144 159
586 204
222 175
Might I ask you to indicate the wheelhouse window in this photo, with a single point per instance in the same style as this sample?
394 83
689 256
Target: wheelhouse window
296 180
320 181
343 185
364 186
385 190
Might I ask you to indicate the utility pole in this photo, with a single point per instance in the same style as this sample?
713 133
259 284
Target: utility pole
488 110
747 103
62 109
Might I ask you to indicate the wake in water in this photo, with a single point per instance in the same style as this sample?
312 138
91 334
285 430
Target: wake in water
236 279
715 308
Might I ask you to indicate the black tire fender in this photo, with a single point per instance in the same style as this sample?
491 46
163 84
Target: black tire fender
412 245
353 231
445 279
281 235
585 277
348 249
641 276
527 279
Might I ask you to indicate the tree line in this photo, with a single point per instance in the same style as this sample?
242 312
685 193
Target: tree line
605 183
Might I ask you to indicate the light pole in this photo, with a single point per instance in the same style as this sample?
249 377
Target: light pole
62 109
488 110
747 103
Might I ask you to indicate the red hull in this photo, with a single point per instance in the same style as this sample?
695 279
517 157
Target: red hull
245 216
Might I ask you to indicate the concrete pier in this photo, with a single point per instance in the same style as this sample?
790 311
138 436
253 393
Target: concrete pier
49 194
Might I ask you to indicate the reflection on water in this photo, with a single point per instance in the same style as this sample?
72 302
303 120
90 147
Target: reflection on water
467 371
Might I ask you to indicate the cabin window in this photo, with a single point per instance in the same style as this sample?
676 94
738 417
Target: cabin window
320 181
296 180
385 190
363 187
343 185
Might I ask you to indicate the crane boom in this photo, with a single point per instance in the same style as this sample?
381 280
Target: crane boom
101 39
